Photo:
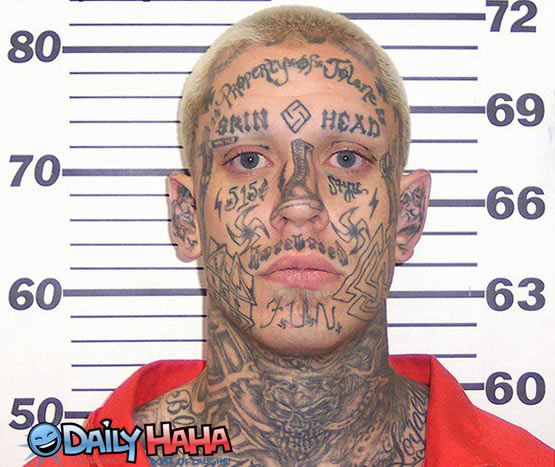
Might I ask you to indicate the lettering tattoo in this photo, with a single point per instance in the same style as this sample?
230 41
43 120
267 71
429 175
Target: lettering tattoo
284 315
256 121
349 190
277 72
345 122
239 197
225 141
183 211
295 115
403 443
301 188
258 255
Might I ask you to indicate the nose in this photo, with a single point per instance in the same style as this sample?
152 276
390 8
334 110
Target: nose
299 201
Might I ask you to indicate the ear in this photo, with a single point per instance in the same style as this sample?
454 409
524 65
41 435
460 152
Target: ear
415 193
183 213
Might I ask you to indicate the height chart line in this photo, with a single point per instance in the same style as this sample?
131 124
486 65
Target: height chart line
200 49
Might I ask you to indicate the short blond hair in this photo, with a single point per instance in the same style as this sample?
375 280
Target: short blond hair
270 26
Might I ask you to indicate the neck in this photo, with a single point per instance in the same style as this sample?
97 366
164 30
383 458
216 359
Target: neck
306 407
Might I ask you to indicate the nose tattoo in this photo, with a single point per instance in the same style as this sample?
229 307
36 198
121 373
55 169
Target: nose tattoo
300 189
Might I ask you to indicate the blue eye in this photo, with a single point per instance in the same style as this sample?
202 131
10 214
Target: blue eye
346 159
249 160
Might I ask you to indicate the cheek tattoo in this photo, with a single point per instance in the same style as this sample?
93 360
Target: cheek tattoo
230 286
349 190
374 202
245 233
238 198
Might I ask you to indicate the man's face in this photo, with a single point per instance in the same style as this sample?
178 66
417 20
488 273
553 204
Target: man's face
296 189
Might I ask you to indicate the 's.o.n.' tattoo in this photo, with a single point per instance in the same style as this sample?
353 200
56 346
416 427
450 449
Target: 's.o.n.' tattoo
230 286
283 314
346 122
242 123
298 242
301 188
225 141
295 115
239 197
349 190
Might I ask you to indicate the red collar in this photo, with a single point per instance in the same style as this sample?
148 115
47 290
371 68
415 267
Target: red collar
445 440
457 432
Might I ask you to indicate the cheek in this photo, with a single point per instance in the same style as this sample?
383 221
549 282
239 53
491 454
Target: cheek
368 197
234 209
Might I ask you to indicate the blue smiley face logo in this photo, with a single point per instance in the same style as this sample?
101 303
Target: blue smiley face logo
44 440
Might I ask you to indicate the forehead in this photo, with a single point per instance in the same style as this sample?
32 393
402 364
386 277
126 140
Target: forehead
318 73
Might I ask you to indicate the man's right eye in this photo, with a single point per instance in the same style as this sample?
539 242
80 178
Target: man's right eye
249 161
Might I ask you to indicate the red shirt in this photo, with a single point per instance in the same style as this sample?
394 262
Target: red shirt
457 432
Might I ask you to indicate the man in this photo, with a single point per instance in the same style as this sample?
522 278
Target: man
295 128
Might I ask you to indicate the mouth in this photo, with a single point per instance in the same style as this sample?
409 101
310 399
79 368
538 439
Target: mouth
48 447
304 272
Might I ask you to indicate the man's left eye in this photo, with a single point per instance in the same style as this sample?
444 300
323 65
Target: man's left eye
346 159
249 161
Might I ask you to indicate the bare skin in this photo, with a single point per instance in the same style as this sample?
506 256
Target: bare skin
297 365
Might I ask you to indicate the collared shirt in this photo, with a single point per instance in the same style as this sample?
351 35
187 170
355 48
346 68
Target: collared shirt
458 434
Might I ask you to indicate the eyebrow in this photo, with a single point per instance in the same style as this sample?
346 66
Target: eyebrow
263 146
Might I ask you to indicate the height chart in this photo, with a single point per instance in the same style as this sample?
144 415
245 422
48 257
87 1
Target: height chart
91 287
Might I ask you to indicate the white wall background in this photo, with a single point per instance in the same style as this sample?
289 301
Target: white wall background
100 112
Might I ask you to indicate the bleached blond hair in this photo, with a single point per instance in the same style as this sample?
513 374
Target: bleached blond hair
270 26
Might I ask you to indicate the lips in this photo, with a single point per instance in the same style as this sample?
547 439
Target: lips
305 272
